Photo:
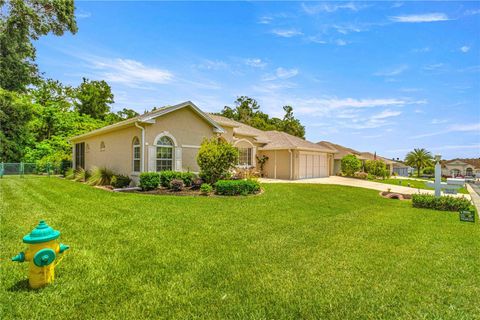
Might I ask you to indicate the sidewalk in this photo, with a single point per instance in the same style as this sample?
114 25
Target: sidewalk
474 191
361 184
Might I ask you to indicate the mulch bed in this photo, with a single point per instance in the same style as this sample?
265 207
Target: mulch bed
395 195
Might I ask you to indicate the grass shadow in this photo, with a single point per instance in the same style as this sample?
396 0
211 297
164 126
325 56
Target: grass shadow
21 285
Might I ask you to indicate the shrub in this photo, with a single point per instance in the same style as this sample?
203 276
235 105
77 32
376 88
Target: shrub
236 187
370 177
100 177
261 163
444 203
187 178
377 168
121 181
167 176
360 175
81 175
149 180
177 184
216 158
350 164
429 170
206 189
197 183
70 174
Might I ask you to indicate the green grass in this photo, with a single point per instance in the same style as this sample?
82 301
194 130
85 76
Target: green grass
296 251
417 184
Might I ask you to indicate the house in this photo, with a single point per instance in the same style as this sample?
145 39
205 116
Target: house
461 167
363 156
169 139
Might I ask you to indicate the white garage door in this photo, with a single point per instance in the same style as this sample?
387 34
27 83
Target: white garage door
313 165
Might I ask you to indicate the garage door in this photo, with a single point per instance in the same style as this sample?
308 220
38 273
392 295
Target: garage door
313 165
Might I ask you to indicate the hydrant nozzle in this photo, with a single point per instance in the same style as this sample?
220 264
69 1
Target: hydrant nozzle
19 257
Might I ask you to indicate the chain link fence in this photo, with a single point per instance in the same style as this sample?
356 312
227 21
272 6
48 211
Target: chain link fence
24 168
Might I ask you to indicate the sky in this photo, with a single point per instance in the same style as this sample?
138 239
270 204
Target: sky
383 77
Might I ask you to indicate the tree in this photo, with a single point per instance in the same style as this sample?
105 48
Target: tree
93 98
291 125
377 168
15 113
350 164
247 110
24 21
419 158
216 158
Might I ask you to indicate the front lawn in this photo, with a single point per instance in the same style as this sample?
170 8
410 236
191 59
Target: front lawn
296 251
417 184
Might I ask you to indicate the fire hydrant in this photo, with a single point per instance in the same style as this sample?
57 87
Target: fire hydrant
42 254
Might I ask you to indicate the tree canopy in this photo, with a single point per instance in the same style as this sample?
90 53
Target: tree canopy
419 158
247 110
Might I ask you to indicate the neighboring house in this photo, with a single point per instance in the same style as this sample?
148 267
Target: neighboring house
401 169
169 139
461 167
363 156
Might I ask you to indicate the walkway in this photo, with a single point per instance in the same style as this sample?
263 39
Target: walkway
358 183
474 190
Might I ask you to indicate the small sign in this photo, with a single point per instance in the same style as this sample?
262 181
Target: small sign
468 216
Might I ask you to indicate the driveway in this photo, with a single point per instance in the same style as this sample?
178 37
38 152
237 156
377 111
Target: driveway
358 183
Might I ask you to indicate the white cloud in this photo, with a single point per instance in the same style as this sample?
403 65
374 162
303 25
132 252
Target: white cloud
447 147
255 62
417 18
286 33
474 127
347 28
397 4
386 114
392 72
128 72
438 121
422 50
213 65
265 20
340 42
465 49
316 39
83 14
434 67
281 74
331 7
472 12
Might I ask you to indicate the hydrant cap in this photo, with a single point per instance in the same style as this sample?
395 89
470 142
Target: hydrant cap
42 233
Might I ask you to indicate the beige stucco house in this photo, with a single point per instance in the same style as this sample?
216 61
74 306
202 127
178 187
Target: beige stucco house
169 139
461 167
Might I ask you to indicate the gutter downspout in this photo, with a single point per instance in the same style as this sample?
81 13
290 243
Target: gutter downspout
275 165
291 164
142 163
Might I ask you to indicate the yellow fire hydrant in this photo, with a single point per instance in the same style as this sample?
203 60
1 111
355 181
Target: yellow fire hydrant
42 254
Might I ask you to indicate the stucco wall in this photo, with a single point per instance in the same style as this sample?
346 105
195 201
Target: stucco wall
117 154
282 161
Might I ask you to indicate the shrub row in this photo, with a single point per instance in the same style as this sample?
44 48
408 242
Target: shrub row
444 203
237 187
166 178
98 177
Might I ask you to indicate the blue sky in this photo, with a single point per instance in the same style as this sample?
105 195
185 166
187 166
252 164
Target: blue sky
374 76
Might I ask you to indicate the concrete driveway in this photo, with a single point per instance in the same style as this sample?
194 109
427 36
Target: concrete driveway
358 183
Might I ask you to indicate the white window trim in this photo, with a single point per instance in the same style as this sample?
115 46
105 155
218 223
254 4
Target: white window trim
254 152
133 156
173 147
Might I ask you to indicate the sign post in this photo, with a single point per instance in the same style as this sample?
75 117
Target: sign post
438 176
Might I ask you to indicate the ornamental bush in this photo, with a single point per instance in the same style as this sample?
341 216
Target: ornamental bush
121 181
206 189
187 178
377 168
429 170
167 176
237 187
444 203
149 180
350 164
360 175
216 158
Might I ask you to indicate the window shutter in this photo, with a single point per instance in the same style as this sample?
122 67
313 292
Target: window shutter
152 156
178 159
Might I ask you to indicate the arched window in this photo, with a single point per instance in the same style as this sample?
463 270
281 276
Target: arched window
469 172
164 158
245 153
136 155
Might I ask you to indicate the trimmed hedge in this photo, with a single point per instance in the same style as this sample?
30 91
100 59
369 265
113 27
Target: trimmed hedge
444 203
236 187
166 178
206 189
149 180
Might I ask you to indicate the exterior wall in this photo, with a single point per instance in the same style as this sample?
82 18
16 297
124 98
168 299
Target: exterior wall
460 166
337 166
188 130
118 152
282 160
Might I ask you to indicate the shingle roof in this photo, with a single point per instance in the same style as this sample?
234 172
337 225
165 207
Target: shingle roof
273 140
475 162
342 151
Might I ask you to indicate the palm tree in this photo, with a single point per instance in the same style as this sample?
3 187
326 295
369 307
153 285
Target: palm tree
419 158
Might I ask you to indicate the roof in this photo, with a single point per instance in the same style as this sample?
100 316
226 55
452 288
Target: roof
342 151
149 117
475 162
272 140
